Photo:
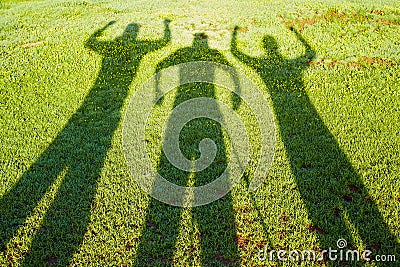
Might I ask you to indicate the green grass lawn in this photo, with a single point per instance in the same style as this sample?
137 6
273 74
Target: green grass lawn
330 71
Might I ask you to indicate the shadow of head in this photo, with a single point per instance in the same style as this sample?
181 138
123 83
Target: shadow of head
270 44
200 40
131 31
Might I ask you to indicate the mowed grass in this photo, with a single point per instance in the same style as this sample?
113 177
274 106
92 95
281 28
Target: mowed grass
67 197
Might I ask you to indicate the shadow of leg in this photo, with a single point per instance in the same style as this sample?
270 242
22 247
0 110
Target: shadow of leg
216 223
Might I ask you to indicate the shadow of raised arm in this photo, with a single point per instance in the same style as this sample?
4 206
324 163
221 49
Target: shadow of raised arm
94 44
159 43
167 31
240 55
309 53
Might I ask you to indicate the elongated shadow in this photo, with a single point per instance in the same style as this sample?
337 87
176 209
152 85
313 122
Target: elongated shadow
331 189
216 236
79 149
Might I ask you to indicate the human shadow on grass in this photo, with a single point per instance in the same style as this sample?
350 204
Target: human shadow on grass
79 151
330 188
216 237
